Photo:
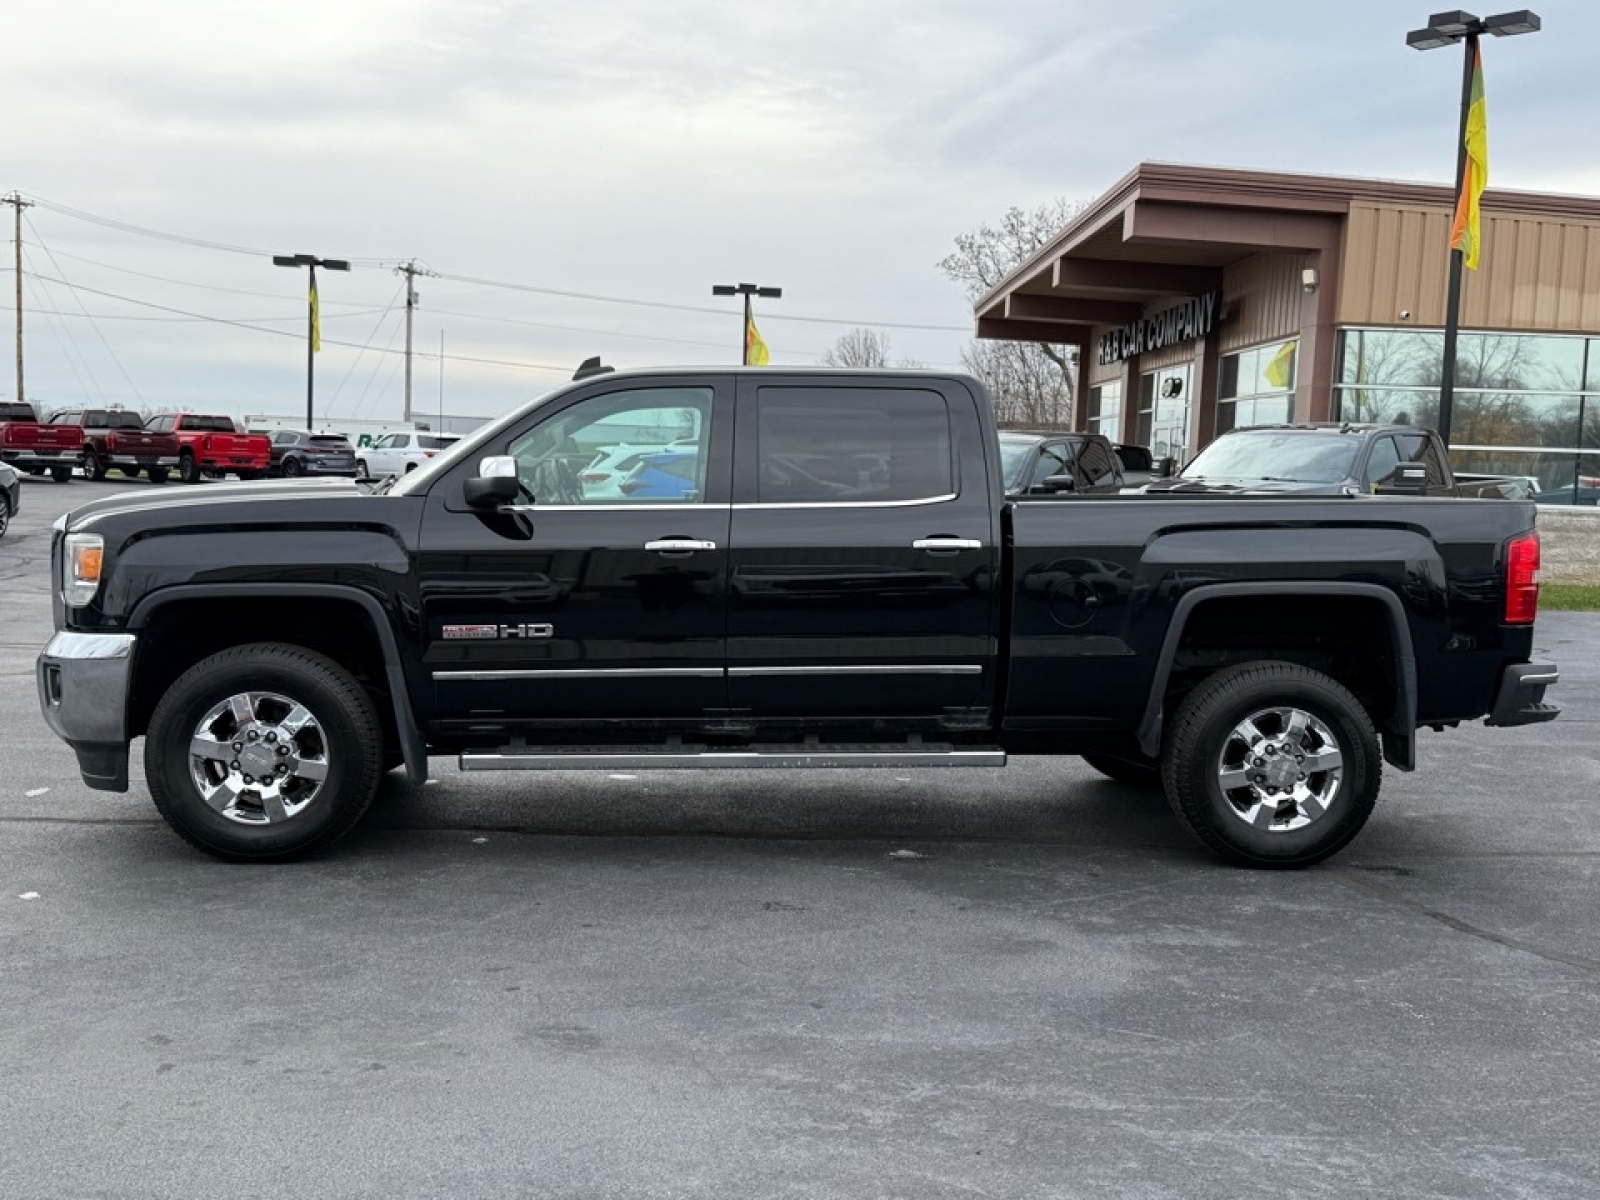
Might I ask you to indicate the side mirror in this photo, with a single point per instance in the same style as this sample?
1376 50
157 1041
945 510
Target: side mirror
495 484
1058 483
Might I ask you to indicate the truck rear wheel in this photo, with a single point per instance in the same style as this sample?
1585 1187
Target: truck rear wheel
93 468
188 469
1272 765
263 753
157 474
61 474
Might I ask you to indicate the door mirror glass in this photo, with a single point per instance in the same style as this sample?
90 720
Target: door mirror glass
1058 483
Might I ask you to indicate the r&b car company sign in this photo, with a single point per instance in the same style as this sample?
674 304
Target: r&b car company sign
1194 318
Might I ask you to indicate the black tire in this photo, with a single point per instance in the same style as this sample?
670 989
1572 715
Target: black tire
93 468
1135 772
157 474
292 468
410 467
5 515
61 474
1312 816
361 469
188 469
342 739
34 471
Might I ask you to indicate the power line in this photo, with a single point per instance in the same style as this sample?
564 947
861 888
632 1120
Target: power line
99 333
495 362
127 227
296 299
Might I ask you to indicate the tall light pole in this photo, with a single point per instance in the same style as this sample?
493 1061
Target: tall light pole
1446 29
746 290
313 335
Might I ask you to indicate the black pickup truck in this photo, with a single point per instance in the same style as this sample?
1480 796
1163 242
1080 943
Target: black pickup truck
824 572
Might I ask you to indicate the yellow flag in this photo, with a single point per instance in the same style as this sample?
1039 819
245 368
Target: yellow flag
755 350
1466 231
1281 365
316 318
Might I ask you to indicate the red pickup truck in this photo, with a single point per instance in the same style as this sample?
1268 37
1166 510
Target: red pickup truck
35 448
116 439
213 446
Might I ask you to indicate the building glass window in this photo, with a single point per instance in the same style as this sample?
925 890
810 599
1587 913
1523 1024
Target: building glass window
1524 404
1257 386
1105 410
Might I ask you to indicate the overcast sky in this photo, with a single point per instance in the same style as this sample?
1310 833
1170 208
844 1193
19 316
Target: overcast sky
645 151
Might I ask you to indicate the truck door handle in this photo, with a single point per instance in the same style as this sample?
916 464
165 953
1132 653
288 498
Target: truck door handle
946 545
679 545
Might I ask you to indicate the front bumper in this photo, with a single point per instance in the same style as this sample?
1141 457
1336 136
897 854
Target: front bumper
1520 700
83 692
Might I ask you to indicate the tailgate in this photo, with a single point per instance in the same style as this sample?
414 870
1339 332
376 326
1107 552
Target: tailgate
43 437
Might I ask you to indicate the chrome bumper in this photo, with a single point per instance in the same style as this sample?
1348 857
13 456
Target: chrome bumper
44 458
83 692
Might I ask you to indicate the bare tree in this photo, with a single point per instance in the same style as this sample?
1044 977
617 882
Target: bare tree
858 348
1031 381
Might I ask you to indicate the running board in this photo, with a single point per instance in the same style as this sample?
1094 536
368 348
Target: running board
661 758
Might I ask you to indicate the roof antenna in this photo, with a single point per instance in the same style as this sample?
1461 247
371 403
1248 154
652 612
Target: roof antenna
589 367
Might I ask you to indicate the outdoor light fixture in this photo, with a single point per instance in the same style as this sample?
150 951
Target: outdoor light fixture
313 333
1308 279
1445 29
746 290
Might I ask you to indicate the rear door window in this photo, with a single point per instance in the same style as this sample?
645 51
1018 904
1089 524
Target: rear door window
852 446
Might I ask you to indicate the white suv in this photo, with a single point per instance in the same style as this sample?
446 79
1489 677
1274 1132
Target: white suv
397 453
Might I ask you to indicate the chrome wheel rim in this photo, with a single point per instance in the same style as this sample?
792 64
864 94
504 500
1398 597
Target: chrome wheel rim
1280 769
259 758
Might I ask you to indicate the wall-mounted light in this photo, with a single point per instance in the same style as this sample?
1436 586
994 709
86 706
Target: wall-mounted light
1309 279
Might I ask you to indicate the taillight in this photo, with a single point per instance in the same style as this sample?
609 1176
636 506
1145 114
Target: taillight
205 444
592 477
1522 579
111 441
629 486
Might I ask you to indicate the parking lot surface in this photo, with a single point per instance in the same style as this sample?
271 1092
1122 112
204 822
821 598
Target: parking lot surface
1025 982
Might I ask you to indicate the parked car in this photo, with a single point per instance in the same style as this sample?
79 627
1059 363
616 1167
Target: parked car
1058 463
213 445
1333 460
399 452
602 478
298 452
1265 662
1582 495
35 447
116 440
1140 466
670 475
10 496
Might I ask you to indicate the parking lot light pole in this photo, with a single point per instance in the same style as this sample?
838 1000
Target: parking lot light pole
1446 29
311 262
746 290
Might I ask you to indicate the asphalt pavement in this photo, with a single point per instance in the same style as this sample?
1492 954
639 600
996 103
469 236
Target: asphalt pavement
1015 983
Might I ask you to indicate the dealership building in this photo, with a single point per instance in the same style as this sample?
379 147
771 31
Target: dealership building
1200 299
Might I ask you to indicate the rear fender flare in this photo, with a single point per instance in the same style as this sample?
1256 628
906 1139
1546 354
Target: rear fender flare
1399 733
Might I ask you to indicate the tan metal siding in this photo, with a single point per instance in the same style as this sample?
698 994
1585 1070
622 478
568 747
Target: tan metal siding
1265 292
1538 273
1171 356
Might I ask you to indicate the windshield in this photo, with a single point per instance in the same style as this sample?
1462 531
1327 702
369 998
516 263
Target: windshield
1014 459
423 476
1278 455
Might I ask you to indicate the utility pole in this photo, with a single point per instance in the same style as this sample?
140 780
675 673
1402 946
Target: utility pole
18 203
410 270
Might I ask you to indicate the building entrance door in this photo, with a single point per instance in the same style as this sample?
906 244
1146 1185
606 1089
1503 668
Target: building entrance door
1164 408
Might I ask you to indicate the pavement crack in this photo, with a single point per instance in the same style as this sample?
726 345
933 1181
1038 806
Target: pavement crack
1398 899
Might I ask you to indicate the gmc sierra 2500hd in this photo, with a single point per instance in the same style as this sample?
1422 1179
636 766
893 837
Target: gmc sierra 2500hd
826 573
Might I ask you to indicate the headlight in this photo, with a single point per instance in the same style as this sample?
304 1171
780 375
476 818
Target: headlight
85 552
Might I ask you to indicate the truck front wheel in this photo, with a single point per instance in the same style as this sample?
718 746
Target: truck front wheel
263 753
1272 765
